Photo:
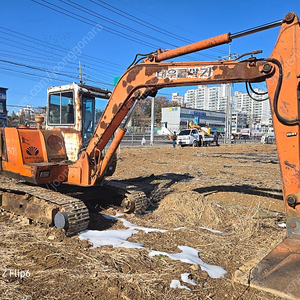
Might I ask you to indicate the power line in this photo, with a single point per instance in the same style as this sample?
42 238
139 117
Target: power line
138 20
27 75
20 106
145 23
57 48
90 12
157 29
39 64
108 20
37 68
39 53
43 79
79 18
73 15
43 61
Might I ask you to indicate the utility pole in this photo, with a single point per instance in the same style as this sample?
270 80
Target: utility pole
228 120
228 113
152 121
80 73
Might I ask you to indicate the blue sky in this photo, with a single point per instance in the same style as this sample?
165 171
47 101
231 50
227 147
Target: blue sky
41 47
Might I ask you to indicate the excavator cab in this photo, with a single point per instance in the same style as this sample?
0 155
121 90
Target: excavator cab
75 109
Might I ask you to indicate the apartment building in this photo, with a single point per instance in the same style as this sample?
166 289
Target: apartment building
178 99
207 97
257 111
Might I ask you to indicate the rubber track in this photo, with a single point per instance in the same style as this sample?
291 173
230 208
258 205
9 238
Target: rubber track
139 197
78 214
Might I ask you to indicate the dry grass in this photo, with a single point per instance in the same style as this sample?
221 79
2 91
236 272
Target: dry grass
209 195
187 209
245 225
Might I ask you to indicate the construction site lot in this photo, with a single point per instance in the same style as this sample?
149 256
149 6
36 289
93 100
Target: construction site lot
212 211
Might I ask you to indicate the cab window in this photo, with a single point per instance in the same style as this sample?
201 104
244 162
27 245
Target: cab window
61 108
92 109
88 117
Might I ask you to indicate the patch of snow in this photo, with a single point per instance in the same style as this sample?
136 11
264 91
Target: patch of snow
119 215
190 255
178 228
109 217
118 238
132 226
176 284
185 278
115 238
146 229
211 230
282 225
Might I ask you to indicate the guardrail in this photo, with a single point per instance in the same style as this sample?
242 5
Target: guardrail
136 139
139 136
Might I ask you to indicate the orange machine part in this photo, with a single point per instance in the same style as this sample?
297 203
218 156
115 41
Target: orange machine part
278 272
287 52
31 146
27 155
201 45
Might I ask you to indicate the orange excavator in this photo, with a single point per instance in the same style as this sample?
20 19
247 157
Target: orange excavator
39 156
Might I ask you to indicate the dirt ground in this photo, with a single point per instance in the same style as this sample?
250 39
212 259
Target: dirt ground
232 188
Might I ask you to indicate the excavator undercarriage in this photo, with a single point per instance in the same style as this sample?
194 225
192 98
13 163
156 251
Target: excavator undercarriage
42 205
66 206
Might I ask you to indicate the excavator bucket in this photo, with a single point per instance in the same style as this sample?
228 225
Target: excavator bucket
278 272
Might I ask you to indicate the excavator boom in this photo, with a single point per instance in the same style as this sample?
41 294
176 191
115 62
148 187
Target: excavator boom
146 78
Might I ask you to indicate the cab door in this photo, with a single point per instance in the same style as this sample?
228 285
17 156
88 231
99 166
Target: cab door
88 115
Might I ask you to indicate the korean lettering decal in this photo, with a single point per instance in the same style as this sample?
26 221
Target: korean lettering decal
204 72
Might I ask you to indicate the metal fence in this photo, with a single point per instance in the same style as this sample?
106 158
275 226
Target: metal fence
136 139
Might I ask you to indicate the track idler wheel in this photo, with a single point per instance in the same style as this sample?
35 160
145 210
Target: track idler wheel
128 204
135 202
61 220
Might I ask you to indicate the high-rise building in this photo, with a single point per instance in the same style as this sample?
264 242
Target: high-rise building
257 111
207 97
214 98
245 111
177 98
239 120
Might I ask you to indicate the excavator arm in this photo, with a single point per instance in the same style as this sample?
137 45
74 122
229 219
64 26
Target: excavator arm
281 71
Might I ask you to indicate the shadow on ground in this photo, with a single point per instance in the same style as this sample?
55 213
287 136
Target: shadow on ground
99 198
244 189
